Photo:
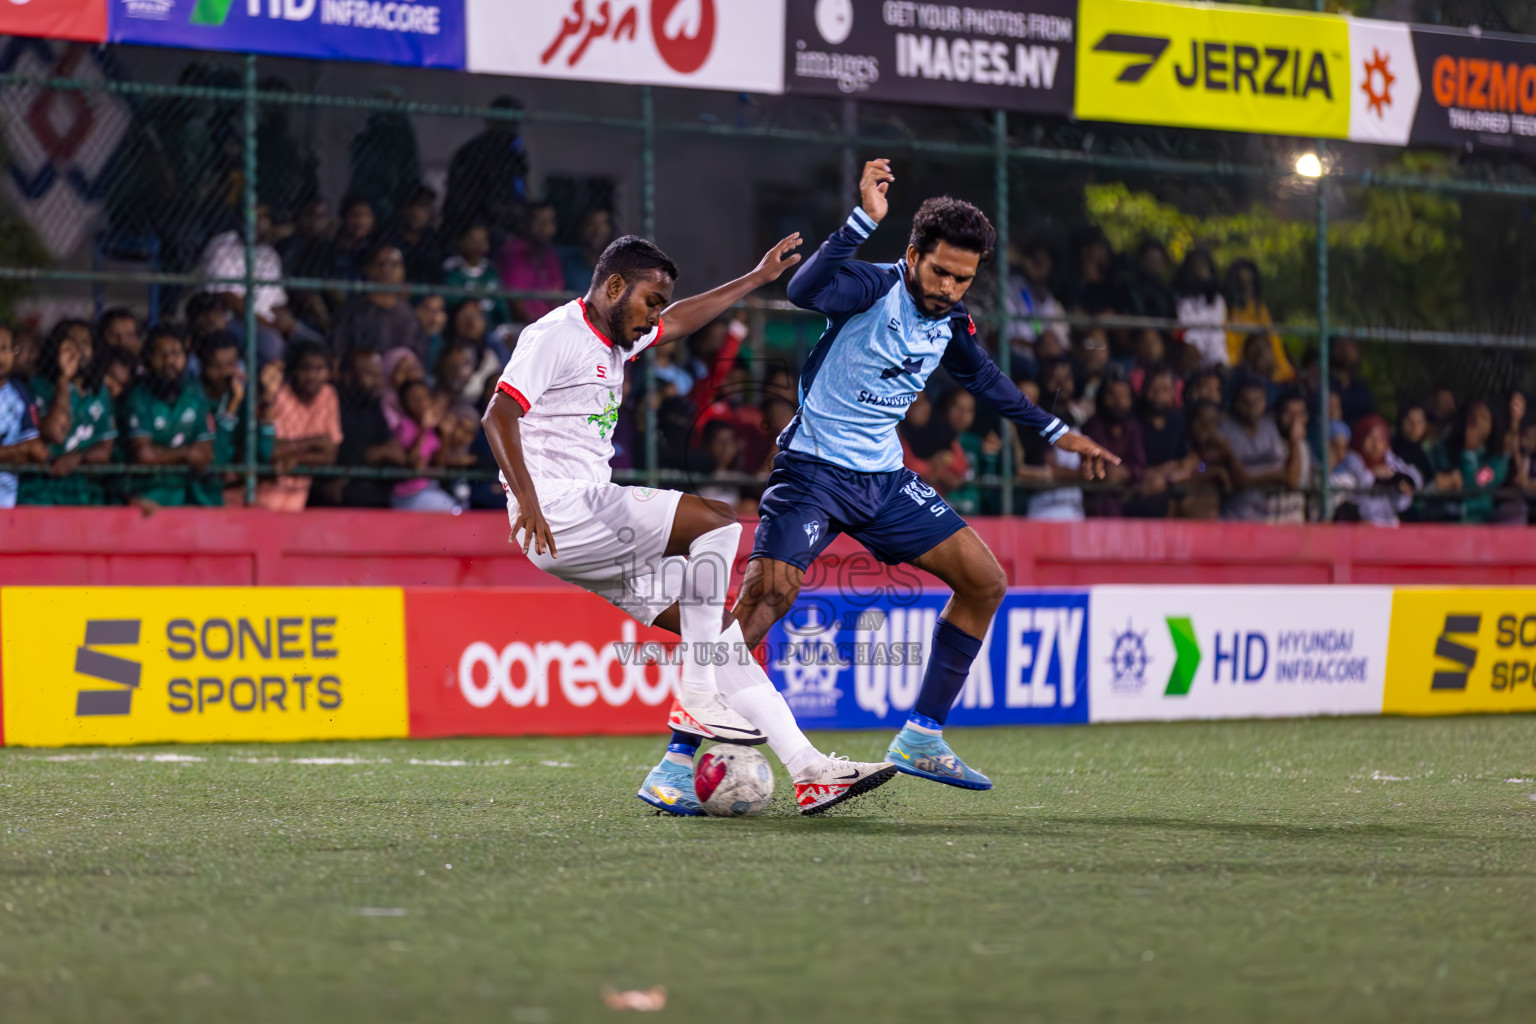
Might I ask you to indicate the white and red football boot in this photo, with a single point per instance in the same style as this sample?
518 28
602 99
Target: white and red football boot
841 780
713 719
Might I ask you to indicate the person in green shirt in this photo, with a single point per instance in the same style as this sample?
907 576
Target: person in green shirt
168 424
223 384
75 418
1474 461
472 269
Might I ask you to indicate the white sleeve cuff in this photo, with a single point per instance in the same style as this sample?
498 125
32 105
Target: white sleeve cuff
1054 431
861 223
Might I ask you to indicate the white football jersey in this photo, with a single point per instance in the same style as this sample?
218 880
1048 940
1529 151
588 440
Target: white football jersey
569 379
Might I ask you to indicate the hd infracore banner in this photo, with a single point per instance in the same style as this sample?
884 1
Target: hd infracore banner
422 33
1013 54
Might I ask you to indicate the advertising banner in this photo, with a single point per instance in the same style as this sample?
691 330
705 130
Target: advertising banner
1478 89
533 663
1231 68
81 20
851 662
700 44
1237 652
419 33
119 665
1013 54
1458 651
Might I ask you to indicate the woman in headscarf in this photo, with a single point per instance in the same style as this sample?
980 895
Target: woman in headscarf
1372 477
401 367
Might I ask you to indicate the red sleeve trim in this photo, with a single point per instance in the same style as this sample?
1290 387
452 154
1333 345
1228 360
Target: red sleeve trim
661 325
514 394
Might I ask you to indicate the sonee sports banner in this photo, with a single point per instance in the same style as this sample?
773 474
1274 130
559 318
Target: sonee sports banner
1013 54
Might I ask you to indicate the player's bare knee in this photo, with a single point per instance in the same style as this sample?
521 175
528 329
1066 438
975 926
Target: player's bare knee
986 587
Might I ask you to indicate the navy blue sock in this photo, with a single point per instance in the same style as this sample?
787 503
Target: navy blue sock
953 651
682 740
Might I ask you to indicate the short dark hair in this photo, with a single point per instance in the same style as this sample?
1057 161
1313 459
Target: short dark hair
947 219
164 330
111 317
201 303
630 257
216 341
299 351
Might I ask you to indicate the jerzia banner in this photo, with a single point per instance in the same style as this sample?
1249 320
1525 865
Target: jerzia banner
1014 54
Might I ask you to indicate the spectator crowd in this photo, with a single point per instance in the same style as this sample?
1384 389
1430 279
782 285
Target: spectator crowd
1211 415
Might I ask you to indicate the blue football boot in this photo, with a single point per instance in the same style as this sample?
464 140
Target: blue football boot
929 757
669 788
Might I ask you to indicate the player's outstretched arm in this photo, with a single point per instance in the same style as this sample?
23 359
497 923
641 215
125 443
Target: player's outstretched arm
832 281
977 373
685 316
501 421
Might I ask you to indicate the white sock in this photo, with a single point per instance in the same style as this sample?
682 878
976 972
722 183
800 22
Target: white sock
754 697
706 579
685 760
923 729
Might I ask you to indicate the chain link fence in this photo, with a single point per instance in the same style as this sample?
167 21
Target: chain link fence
174 184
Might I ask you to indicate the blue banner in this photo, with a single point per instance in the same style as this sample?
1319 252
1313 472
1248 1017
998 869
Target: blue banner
420 33
851 662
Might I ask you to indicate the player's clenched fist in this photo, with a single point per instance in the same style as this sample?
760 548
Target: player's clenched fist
876 179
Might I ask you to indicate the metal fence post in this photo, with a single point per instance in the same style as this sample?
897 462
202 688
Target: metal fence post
648 228
252 371
1000 265
1323 379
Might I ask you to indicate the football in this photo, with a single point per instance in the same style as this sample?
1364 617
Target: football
733 781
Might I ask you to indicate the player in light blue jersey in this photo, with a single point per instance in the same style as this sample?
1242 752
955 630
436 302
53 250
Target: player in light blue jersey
839 470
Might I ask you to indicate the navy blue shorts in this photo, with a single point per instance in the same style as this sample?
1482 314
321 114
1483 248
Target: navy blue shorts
809 502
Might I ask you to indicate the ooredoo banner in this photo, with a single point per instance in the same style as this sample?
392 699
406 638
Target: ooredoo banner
701 44
1455 651
119 665
851 661
1237 652
1014 54
81 20
420 33
533 662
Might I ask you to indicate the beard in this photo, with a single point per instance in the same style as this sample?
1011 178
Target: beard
617 333
165 389
933 306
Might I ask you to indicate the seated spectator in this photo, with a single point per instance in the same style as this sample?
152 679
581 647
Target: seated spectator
400 367
1264 461
529 263
119 329
206 314
777 412
417 433
308 253
416 238
1440 411
1216 467
1092 293
718 470
1058 390
119 374
980 453
1354 394
1408 445
1256 367
1202 311
666 368
20 441
74 416
379 321
1144 290
432 316
1246 308
1035 311
923 436
224 388
1115 429
1474 462
1092 356
168 424
1165 445
467 329
470 268
28 347
306 424
1045 466
356 239
578 262
451 375
1151 352
366 436
1370 477
224 257
1204 386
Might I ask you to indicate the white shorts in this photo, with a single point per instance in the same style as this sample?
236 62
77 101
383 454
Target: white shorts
612 541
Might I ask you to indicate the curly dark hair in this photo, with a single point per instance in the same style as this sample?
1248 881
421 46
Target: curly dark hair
947 219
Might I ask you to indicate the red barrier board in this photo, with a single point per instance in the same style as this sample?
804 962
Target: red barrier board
536 662
84 20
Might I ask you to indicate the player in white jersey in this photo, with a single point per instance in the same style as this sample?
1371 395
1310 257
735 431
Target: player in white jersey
664 557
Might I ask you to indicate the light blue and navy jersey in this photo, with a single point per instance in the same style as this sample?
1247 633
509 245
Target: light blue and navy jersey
875 356
18 423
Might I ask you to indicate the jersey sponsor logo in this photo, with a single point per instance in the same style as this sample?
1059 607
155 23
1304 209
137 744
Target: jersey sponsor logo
888 401
812 531
908 365
606 419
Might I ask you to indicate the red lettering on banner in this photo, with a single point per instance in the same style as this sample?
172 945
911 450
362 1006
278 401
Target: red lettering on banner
579 25
684 31
550 662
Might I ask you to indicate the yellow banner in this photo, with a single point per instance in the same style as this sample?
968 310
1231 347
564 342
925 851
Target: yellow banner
118 665
1230 68
1455 651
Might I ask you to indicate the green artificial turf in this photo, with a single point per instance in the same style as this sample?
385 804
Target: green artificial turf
1316 871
